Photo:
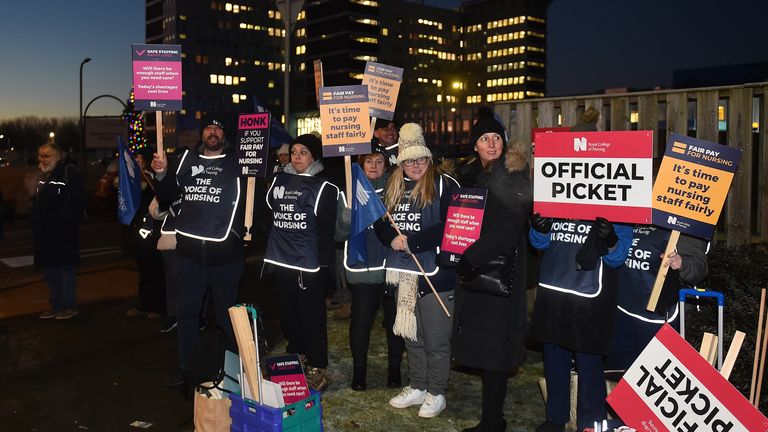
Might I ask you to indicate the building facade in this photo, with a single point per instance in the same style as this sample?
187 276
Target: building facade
454 61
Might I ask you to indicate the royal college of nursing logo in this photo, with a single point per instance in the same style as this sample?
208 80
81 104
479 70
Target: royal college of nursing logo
197 170
278 192
580 144
672 220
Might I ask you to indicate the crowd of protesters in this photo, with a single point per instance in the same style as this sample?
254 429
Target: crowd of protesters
189 248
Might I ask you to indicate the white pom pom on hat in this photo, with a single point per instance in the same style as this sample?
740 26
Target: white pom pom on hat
411 143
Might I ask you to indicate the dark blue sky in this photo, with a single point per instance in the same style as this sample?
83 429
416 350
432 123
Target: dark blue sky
592 45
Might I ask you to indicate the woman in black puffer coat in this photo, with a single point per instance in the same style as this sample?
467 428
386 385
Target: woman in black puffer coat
489 330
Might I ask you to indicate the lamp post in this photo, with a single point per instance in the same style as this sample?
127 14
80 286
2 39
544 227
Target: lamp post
289 11
82 125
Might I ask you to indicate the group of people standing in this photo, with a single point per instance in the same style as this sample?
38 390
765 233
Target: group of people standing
587 303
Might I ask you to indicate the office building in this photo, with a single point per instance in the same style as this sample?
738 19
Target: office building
484 52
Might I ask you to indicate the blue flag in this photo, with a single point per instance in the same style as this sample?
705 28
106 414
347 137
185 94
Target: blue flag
366 209
128 185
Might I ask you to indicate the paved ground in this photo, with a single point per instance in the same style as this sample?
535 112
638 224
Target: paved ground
102 371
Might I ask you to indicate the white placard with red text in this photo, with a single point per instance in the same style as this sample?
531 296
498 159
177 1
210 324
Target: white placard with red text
670 387
583 175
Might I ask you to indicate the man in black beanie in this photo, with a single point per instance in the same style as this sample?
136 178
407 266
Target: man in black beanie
210 227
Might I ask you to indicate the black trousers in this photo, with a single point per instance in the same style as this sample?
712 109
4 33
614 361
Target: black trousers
366 299
301 298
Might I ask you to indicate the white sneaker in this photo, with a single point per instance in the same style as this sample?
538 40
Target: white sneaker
432 406
408 397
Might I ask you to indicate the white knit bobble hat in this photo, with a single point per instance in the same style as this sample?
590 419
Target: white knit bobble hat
411 143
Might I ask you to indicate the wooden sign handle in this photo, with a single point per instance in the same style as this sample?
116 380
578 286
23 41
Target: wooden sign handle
758 347
159 127
733 354
761 368
663 269
249 207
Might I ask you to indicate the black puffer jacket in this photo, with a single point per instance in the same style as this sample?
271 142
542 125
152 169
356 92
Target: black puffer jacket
489 330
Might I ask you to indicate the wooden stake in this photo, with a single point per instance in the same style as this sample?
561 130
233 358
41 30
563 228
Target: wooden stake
348 177
159 127
758 347
421 269
708 348
249 207
733 353
245 344
663 269
756 402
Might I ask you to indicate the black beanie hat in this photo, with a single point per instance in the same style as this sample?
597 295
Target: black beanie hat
487 123
311 142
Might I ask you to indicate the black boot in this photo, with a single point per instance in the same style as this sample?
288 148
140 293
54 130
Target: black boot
548 426
500 426
394 380
358 379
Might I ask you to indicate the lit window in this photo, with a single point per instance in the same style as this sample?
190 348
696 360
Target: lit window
228 80
384 31
227 61
213 78
235 98
242 97
182 36
235 80
221 79
271 84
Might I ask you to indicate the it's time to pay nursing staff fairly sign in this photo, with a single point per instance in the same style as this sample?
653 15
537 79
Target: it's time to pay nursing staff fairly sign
583 175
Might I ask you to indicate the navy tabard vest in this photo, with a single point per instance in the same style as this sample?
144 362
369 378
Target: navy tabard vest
377 252
638 274
411 218
558 264
293 238
210 189
169 221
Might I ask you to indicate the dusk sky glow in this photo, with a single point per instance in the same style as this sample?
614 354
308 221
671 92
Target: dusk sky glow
591 45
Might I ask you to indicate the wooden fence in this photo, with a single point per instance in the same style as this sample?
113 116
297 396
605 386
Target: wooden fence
736 116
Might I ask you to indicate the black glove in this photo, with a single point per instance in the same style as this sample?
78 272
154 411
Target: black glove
605 232
541 224
464 268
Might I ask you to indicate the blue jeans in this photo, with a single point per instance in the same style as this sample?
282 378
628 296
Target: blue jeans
591 392
193 279
61 287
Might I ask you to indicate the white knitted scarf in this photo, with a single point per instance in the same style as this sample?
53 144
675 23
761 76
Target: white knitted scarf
407 293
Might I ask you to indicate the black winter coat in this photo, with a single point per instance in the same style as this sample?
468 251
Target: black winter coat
489 330
57 211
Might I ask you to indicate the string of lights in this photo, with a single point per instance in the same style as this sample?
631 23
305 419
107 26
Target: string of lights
137 137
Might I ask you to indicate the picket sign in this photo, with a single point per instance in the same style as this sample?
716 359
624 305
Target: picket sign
758 347
670 387
733 353
159 123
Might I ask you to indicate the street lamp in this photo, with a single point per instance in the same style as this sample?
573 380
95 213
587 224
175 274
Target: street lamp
51 136
80 113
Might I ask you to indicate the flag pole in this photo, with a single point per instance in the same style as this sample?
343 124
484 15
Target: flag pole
421 269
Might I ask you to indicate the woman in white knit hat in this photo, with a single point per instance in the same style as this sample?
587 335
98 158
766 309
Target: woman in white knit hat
417 197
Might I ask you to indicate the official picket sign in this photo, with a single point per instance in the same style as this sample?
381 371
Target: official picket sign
344 120
582 175
156 77
464 221
692 185
670 387
383 83
253 144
